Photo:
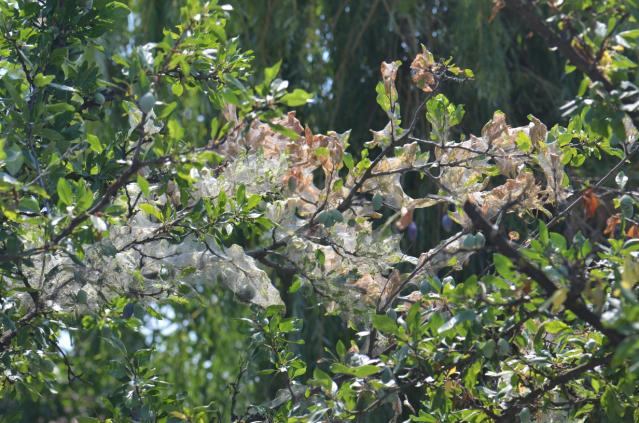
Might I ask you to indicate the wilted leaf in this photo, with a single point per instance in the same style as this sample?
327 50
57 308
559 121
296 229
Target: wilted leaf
422 71
611 225
405 219
633 231
591 202
389 74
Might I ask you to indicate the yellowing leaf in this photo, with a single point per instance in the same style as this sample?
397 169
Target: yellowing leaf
630 274
558 299
179 415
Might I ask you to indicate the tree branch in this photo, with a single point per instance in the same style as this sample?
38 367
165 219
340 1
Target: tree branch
514 407
345 204
572 303
579 58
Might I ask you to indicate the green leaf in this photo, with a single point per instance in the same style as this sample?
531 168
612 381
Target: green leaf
558 299
240 194
167 110
94 143
14 159
322 152
627 206
523 142
544 237
360 371
289 325
144 185
48 133
62 87
41 80
179 415
271 73
297 97
299 372
382 97
176 131
488 349
503 347
59 108
611 405
329 217
177 89
385 324
348 161
377 201
555 326
632 34
65 193
296 285
146 103
322 379
152 210
504 266
287 132
470 378
320 257
367 370
462 316
252 202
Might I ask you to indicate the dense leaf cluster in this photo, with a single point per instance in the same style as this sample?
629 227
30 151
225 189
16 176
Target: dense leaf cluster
164 223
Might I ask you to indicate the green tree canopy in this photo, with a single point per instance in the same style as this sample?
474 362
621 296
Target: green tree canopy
282 211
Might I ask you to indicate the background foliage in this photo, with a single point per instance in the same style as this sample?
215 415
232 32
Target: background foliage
97 94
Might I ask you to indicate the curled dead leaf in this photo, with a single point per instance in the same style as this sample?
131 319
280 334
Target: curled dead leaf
498 5
591 202
392 285
405 219
389 74
369 286
611 224
423 71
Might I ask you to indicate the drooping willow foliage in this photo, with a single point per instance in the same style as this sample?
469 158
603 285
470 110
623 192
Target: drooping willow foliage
167 219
